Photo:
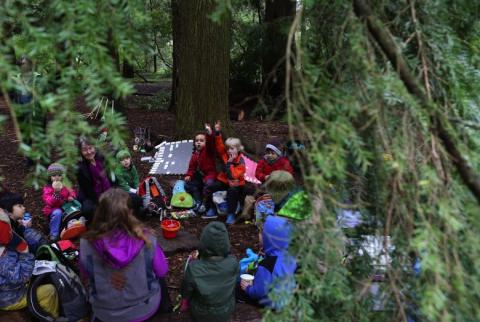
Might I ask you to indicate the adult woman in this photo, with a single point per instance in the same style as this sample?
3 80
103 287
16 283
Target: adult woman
92 177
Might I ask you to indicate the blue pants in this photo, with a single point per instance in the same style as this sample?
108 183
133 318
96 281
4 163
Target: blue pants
55 222
199 190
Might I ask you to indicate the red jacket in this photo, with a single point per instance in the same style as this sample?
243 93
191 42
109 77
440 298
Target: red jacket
204 161
54 199
265 169
234 172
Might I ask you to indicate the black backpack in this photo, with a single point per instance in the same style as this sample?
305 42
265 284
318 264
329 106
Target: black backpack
71 293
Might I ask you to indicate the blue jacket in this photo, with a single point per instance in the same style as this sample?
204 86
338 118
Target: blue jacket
15 272
274 280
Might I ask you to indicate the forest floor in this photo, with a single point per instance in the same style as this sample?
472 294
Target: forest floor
142 110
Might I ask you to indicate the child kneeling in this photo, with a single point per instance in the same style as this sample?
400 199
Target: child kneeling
123 262
55 195
274 280
209 283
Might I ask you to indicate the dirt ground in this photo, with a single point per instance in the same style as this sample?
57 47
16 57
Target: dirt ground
14 171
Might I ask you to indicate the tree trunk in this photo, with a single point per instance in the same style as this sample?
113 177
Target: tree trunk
202 66
128 70
176 39
155 63
278 17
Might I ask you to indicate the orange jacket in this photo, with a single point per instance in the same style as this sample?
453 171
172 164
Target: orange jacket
233 173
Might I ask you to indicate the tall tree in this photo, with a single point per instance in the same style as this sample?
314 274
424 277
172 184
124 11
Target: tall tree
201 51
278 18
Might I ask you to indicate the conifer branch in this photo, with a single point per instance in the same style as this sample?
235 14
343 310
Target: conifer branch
387 44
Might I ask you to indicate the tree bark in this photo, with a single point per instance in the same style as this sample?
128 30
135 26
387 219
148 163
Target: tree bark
278 17
201 66
470 178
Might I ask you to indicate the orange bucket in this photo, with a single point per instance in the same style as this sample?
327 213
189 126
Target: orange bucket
170 228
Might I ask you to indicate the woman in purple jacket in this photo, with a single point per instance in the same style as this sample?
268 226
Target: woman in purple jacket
122 262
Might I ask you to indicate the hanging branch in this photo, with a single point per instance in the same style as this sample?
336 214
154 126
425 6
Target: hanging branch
385 41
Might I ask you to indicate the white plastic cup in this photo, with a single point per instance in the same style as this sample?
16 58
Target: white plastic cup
247 278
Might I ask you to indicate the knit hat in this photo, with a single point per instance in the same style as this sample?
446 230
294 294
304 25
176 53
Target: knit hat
55 169
279 184
123 154
275 145
9 200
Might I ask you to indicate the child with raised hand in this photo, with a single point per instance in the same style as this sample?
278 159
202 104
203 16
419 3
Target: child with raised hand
232 178
122 261
55 195
201 171
272 160
209 282
12 204
126 172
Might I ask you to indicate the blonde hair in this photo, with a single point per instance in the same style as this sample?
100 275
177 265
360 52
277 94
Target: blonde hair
235 143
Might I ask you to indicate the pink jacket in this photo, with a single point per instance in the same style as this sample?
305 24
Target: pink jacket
54 199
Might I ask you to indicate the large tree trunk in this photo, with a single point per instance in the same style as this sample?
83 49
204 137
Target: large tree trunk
278 17
201 66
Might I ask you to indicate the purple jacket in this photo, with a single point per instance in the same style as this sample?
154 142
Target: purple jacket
141 266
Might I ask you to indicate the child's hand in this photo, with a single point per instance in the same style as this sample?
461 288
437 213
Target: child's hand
194 254
208 128
244 284
232 156
187 178
70 198
218 126
25 223
57 186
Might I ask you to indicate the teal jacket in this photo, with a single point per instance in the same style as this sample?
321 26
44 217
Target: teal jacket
209 282
127 178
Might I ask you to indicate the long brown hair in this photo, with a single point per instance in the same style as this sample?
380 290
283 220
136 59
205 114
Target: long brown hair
112 214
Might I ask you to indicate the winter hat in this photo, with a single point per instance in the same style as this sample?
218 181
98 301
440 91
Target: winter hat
55 169
9 200
123 154
279 184
275 145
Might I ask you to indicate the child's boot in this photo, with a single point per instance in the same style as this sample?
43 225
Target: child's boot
211 214
230 219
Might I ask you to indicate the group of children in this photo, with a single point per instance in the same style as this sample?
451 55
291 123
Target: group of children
120 260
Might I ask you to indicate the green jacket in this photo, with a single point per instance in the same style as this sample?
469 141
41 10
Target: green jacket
209 282
127 178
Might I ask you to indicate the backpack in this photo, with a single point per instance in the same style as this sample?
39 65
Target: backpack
153 195
71 293
63 252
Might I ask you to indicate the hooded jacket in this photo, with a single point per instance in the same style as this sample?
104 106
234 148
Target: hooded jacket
85 180
127 178
15 272
141 266
204 161
233 172
265 168
209 282
274 280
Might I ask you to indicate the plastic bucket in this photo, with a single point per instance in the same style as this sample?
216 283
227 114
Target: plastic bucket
170 228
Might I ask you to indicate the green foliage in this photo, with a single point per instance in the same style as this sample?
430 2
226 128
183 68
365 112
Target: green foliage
371 148
70 46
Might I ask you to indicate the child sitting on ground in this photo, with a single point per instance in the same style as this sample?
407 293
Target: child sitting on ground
272 160
12 203
122 261
16 267
232 178
201 171
274 280
55 195
126 172
209 282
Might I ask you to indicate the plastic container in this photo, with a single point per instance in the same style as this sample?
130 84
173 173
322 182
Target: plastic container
170 228
27 218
